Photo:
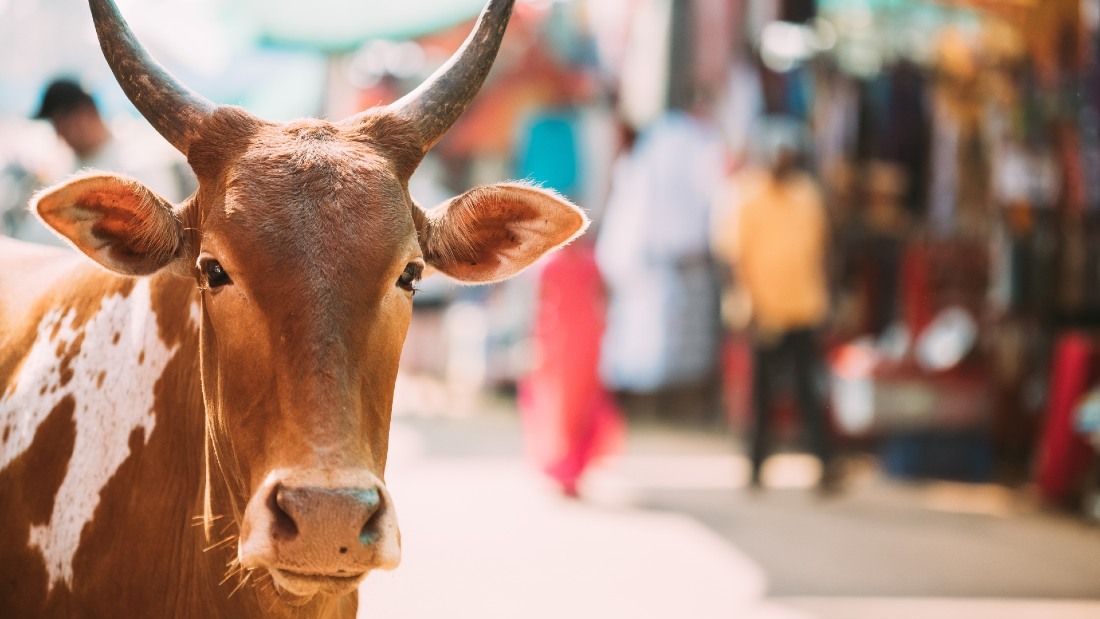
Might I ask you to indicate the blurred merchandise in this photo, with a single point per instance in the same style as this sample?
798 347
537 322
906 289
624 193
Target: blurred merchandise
885 387
873 396
947 340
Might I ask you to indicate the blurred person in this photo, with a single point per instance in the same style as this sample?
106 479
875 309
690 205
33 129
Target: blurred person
653 250
777 252
76 119
569 418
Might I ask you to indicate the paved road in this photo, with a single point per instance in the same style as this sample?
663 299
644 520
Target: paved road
667 531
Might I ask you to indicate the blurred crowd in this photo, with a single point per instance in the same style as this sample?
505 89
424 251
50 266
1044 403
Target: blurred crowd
864 223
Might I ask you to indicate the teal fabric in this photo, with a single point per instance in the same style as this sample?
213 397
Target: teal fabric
549 155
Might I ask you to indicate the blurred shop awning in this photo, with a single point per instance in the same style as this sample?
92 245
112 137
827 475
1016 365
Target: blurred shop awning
1012 10
335 26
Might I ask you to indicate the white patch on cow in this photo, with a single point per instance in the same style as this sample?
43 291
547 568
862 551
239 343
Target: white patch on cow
107 410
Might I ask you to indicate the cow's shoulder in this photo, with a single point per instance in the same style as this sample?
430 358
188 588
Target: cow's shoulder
81 360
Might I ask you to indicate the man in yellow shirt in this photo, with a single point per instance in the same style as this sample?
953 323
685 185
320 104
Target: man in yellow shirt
774 236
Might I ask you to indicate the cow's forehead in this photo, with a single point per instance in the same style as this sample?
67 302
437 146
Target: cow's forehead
309 218
309 186
307 163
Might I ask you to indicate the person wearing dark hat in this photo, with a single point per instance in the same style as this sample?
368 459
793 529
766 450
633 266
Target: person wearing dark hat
75 118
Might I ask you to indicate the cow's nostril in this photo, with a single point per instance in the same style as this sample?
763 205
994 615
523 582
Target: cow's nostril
284 526
368 533
365 535
371 501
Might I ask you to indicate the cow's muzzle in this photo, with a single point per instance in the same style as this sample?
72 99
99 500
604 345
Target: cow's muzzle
320 531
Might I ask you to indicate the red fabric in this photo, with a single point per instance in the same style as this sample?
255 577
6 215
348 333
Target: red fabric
569 418
1063 455
917 303
737 380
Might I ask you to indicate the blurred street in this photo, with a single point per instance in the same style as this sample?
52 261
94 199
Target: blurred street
667 530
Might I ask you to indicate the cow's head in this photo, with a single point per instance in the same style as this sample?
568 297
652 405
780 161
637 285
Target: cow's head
307 248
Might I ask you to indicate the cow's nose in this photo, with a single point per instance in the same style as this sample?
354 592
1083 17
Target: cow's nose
320 524
342 514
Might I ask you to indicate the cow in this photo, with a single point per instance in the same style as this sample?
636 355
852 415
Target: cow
195 405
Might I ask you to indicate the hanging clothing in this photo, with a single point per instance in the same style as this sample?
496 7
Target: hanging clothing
836 122
550 155
1063 455
569 419
908 130
943 195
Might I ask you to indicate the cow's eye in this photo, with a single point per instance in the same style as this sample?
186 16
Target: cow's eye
410 276
213 273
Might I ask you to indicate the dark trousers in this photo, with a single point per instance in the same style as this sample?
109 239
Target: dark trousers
798 347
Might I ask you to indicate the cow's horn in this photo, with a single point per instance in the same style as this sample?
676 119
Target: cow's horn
173 110
437 103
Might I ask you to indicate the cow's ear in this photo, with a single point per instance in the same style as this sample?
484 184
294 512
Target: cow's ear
491 233
116 221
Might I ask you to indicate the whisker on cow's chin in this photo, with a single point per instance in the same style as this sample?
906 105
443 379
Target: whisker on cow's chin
258 579
234 570
264 579
242 583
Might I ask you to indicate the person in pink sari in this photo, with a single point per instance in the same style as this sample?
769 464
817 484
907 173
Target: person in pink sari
569 418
